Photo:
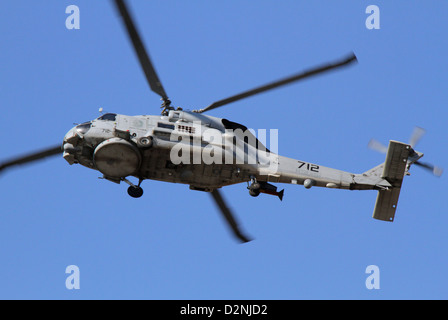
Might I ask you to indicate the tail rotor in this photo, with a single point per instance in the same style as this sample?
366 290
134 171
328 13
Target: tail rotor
414 157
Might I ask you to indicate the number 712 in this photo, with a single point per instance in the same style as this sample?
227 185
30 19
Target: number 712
308 166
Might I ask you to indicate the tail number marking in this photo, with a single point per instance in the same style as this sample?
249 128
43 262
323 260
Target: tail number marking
308 166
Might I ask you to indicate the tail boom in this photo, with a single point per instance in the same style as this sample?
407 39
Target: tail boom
387 177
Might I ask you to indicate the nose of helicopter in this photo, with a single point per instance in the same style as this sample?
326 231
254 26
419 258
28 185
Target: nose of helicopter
69 145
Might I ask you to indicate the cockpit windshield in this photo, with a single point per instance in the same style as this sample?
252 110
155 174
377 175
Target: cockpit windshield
83 127
108 117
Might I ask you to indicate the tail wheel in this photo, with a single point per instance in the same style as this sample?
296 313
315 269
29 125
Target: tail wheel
135 192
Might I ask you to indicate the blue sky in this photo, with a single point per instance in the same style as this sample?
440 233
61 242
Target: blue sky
172 243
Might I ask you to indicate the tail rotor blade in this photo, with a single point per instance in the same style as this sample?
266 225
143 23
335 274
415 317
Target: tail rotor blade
417 134
377 146
437 171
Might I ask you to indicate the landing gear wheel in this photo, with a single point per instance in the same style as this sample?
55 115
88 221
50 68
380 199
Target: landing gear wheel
254 188
145 142
135 192
254 192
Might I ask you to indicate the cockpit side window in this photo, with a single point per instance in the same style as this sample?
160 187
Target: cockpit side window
235 126
108 117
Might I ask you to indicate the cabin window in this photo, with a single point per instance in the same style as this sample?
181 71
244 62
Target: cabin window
165 125
108 117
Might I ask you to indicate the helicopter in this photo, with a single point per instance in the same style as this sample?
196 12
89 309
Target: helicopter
161 147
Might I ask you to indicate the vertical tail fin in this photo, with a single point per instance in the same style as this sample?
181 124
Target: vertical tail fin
394 171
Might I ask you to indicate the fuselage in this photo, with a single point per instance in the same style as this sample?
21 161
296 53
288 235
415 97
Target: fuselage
185 147
202 151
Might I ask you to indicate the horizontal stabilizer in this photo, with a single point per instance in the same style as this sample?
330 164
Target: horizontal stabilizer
394 171
386 204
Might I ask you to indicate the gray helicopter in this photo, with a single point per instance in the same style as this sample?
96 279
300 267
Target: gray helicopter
208 153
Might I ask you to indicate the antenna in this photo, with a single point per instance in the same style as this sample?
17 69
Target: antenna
100 110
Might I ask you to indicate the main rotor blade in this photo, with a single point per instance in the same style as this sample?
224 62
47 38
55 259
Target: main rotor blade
282 82
228 215
143 56
32 157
